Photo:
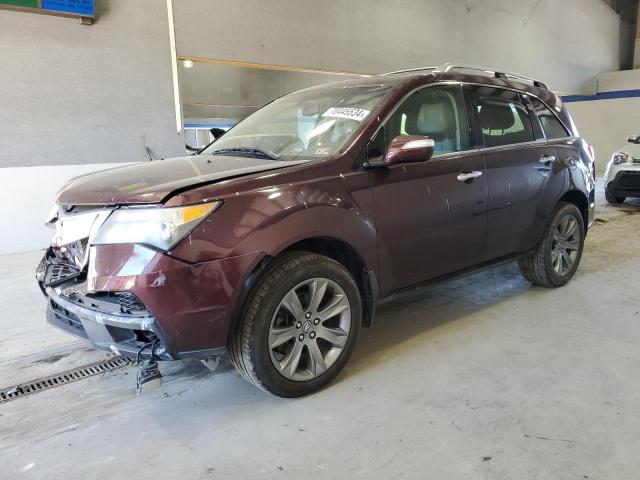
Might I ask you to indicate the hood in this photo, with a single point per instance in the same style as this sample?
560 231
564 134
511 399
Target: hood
152 182
632 149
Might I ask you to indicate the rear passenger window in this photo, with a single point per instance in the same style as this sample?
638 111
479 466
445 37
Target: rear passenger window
550 124
503 117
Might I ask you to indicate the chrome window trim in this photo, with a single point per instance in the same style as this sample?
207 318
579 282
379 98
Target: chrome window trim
457 82
459 153
531 143
552 113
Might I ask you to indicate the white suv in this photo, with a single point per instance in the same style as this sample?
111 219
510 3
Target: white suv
622 176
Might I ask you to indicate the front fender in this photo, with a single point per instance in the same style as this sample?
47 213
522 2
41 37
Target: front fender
271 219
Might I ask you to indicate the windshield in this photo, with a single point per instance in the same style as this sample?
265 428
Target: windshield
310 124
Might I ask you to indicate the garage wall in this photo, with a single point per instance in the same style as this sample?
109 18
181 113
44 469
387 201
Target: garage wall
606 120
606 124
76 98
77 94
565 43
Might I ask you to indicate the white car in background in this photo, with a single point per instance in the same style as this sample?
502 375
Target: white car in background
622 176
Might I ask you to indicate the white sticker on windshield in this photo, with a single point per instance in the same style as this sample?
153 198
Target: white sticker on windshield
357 114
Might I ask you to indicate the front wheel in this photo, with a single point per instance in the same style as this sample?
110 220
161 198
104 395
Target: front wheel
556 258
613 199
299 325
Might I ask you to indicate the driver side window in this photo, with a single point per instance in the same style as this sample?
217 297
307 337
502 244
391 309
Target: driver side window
437 112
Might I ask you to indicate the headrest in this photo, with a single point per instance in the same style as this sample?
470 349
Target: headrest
434 119
496 116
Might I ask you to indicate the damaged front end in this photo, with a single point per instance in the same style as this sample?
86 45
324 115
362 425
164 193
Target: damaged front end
117 321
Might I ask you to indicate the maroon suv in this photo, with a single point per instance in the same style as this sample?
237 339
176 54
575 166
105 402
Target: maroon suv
275 243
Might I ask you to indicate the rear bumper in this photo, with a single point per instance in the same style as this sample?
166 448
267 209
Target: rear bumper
189 307
626 183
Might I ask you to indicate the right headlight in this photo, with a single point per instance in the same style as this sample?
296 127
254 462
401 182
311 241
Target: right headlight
156 226
619 158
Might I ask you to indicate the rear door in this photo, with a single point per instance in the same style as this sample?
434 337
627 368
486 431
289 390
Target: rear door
428 221
521 168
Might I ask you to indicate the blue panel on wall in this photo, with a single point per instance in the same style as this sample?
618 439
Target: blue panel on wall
79 7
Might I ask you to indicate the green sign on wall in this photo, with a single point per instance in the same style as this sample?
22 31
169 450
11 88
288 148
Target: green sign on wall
21 3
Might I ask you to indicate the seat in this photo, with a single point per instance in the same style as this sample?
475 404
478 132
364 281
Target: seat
498 117
437 120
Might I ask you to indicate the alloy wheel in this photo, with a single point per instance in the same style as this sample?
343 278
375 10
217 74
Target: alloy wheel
309 329
565 245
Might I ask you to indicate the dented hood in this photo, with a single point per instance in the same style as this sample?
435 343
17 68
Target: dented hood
152 182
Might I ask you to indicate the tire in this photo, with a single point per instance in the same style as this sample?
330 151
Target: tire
540 267
613 199
267 318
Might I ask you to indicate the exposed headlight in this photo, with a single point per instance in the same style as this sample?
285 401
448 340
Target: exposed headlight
159 227
52 217
619 158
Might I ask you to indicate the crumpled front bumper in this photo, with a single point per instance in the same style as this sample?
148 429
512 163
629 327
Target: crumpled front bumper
123 334
189 307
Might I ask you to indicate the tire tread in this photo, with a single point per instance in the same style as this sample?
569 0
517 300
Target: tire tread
533 265
240 350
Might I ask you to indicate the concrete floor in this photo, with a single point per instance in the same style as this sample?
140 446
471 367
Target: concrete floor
480 377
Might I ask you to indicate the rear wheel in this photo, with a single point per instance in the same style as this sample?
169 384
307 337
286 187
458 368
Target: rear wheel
556 258
299 325
612 198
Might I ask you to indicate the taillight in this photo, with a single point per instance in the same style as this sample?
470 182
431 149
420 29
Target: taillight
592 153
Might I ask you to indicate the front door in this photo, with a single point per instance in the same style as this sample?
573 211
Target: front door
430 216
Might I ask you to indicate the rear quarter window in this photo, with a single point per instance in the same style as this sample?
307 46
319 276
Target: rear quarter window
550 124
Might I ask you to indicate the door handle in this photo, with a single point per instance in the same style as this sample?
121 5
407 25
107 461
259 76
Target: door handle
547 159
468 177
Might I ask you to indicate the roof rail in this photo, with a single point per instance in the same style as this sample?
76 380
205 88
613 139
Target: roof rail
409 70
447 67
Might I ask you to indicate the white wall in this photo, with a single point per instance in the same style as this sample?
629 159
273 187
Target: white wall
616 81
26 197
606 123
84 95
565 43
77 94
74 99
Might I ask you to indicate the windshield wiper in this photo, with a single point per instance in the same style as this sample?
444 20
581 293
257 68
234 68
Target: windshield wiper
253 152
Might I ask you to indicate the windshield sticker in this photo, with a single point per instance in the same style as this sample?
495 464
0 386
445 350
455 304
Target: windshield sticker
323 151
357 114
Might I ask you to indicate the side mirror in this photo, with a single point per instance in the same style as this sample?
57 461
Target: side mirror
406 149
633 138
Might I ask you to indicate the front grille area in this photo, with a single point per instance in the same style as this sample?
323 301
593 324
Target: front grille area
129 303
625 184
117 302
58 273
629 181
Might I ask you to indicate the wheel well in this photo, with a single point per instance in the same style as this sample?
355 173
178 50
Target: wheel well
337 250
579 199
348 257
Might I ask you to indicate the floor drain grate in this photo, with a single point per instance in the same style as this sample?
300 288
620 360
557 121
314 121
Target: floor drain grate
68 376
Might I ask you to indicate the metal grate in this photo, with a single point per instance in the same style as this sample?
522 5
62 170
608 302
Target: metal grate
68 376
60 272
129 302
